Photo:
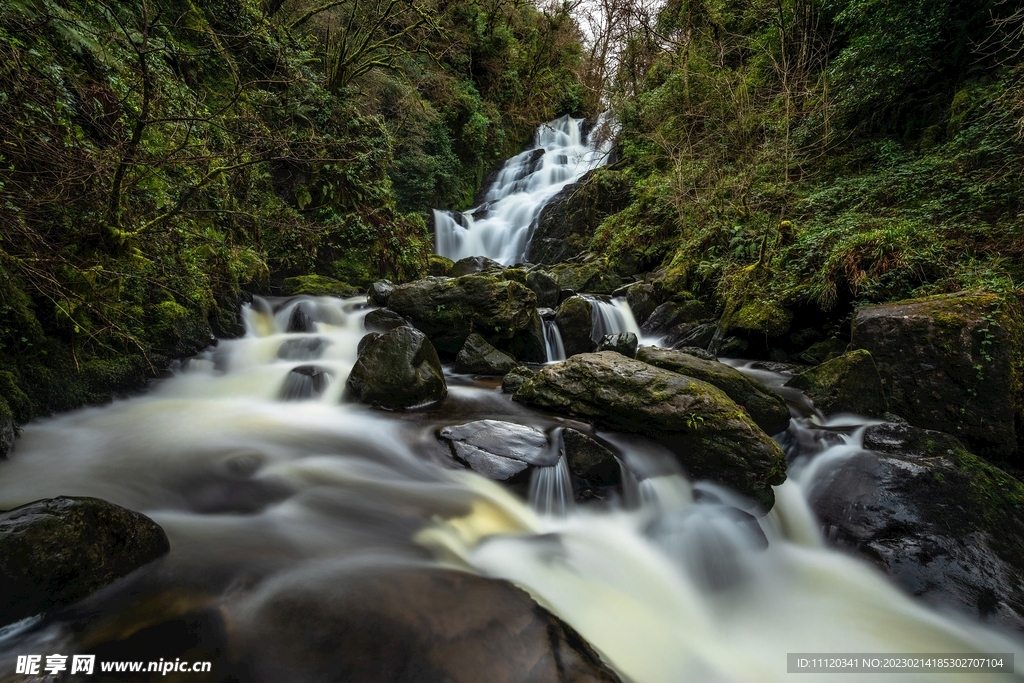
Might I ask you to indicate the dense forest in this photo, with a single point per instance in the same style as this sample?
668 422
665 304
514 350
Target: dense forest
161 158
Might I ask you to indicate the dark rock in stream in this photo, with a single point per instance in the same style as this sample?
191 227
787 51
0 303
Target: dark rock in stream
480 358
379 292
545 287
474 264
711 436
502 451
622 342
642 300
300 320
765 407
58 550
944 524
410 626
847 384
398 369
383 320
575 320
672 314
514 379
305 382
589 460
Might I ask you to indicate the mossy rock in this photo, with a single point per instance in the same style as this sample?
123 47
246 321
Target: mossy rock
594 277
515 378
710 434
318 285
439 266
766 408
177 331
819 352
952 363
480 358
847 384
56 551
575 320
763 317
398 369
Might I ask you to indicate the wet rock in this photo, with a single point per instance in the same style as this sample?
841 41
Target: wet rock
300 320
564 294
622 342
502 451
383 320
474 264
307 348
480 358
365 341
595 277
710 434
317 285
847 384
448 310
575 320
822 351
305 382
545 287
439 266
589 460
57 550
763 318
691 335
765 407
947 363
944 524
379 292
671 314
514 379
697 352
404 625
642 301
398 369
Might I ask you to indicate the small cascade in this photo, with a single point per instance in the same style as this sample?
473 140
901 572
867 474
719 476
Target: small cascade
611 317
553 346
551 491
501 227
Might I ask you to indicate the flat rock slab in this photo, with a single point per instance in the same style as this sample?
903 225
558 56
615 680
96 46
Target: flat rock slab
499 450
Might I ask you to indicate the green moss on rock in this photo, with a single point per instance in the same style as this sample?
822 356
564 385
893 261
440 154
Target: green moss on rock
847 384
317 285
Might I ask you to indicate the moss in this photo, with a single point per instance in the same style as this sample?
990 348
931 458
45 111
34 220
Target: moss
766 317
439 266
317 285
849 383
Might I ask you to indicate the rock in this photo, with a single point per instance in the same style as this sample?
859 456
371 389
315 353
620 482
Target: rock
691 335
623 342
697 352
480 358
514 379
448 309
379 292
564 294
317 285
300 321
398 369
671 314
305 382
710 434
365 341
545 287
58 550
595 277
822 351
306 348
439 266
589 460
948 363
763 318
383 320
766 408
641 299
945 525
413 624
502 451
575 320
847 384
474 264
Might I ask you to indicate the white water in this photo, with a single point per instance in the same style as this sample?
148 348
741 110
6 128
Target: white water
666 588
526 182
611 317
553 346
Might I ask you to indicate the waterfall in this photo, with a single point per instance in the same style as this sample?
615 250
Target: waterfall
611 317
501 227
553 346
551 487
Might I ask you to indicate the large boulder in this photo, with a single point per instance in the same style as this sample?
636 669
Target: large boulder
503 451
473 264
847 384
448 310
480 358
545 287
404 625
589 460
575 320
642 300
766 408
671 314
621 342
595 277
948 363
710 434
382 320
56 551
398 369
439 266
942 523
379 292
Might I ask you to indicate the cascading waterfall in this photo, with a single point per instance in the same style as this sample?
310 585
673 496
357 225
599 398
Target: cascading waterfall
553 346
674 583
611 317
501 227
